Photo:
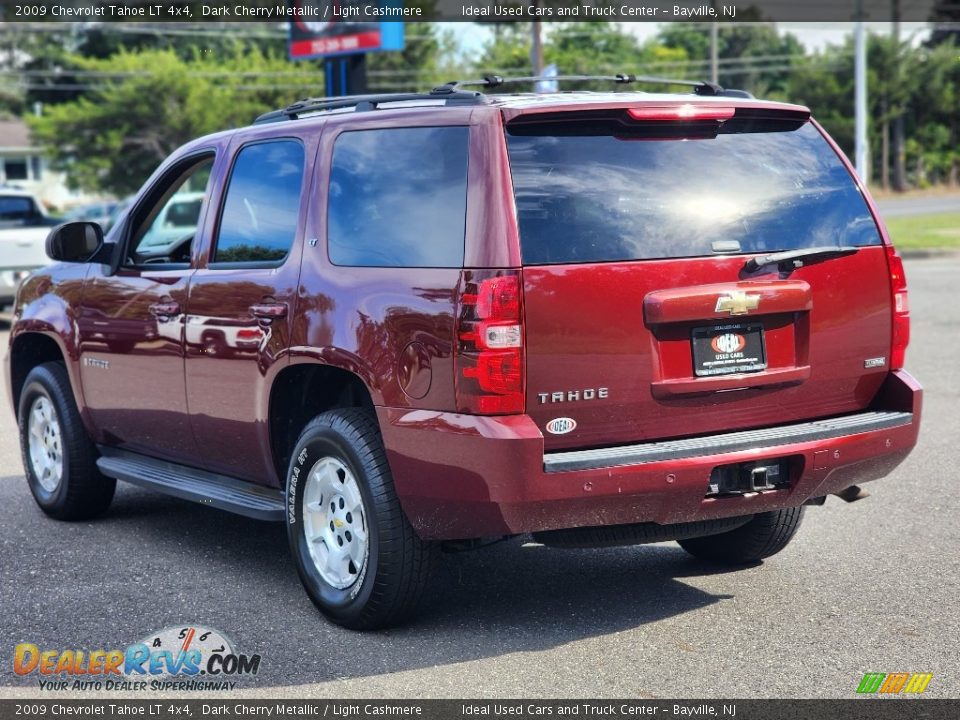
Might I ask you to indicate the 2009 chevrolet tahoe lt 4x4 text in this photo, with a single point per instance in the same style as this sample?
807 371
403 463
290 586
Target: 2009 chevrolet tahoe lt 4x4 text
403 320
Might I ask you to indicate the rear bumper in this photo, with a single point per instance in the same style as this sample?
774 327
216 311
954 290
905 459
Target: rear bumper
465 476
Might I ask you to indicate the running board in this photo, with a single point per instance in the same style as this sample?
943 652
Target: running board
206 488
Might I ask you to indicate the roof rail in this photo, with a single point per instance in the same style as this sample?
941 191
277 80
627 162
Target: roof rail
451 94
448 95
700 87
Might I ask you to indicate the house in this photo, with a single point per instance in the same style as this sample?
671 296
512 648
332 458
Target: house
23 165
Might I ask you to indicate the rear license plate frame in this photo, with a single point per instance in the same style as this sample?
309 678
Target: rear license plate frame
709 360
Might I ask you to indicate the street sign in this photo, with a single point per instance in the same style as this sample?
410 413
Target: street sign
319 29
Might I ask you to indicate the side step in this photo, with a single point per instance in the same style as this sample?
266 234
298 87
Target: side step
219 491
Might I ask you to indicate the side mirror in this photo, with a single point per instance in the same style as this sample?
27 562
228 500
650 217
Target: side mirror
75 241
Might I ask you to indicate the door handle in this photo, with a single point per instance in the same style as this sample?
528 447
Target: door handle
269 311
165 309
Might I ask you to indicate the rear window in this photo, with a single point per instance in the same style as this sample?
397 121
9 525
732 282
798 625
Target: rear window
596 197
398 197
14 208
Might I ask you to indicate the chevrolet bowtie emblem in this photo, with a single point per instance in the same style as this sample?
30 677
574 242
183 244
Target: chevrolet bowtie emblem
737 303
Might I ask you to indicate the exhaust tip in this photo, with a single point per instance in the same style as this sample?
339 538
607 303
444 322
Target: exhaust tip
852 494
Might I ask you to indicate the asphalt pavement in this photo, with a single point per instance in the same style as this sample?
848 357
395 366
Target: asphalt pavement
871 586
919 205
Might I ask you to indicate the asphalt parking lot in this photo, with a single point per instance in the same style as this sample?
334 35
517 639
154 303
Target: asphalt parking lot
871 586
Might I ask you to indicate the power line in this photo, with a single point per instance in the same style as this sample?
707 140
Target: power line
75 87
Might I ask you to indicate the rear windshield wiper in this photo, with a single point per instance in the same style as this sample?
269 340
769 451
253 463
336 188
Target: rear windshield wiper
796 257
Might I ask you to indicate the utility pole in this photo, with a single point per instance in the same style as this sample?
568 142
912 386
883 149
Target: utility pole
861 152
899 150
714 48
714 53
536 44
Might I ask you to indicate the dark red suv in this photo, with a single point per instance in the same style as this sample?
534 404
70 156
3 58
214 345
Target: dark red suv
397 322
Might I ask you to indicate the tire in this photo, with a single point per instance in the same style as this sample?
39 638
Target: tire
59 459
213 344
767 534
363 572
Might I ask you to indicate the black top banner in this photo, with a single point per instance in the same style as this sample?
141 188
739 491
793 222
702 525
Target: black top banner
51 708
325 11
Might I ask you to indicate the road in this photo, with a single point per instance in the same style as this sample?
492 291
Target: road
871 586
919 205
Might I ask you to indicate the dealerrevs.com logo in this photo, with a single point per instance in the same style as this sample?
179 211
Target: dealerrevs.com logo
894 683
176 658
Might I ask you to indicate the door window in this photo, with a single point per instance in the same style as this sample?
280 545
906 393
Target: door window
262 206
164 230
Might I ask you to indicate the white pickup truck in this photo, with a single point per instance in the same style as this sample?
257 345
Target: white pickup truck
24 225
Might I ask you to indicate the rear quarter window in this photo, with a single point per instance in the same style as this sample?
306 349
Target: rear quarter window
604 197
398 197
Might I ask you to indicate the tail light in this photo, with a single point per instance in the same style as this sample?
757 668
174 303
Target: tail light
901 310
249 334
489 360
682 112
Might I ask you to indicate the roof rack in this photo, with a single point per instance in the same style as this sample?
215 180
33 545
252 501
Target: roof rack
451 94
700 87
446 94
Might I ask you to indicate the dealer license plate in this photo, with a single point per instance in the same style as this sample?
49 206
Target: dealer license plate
729 348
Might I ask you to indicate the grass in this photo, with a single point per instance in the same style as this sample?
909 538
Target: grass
926 231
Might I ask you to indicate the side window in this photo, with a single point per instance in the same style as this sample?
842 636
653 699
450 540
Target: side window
164 230
398 197
259 220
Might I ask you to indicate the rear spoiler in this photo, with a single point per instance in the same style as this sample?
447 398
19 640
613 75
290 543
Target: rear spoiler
660 120
675 111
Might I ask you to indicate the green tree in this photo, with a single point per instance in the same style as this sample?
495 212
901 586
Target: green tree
420 65
753 57
425 61
149 103
933 116
919 83
41 63
581 48
824 83
508 52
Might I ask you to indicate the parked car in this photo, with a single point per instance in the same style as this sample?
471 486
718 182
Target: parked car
603 319
119 208
177 219
24 226
99 212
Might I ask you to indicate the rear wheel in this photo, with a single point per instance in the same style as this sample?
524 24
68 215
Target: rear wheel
357 555
765 535
59 459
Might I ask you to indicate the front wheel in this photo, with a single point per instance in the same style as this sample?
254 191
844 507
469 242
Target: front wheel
59 458
765 535
357 555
